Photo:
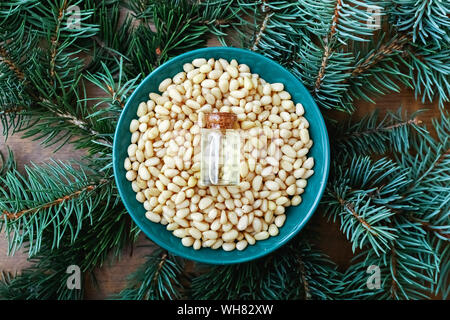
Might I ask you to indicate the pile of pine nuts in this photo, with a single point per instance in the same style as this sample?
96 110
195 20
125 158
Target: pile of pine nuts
163 162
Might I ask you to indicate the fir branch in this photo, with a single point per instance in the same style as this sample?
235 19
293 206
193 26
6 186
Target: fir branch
5 58
7 164
365 197
426 170
112 39
48 205
77 123
51 21
113 93
335 19
54 40
430 228
262 28
174 36
394 283
374 135
406 270
330 81
429 69
142 9
351 208
56 195
306 289
378 68
338 21
64 116
62 42
442 286
319 279
218 16
15 92
106 235
426 20
30 283
322 66
271 28
326 55
48 90
293 272
430 160
373 69
158 278
12 14
416 193
118 88
178 27
328 40
392 46
12 120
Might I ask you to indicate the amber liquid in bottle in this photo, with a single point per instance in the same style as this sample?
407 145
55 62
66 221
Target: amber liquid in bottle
220 148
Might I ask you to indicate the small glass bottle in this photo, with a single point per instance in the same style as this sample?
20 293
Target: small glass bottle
220 150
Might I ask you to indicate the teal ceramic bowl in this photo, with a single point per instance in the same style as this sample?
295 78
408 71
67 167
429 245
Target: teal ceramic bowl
297 217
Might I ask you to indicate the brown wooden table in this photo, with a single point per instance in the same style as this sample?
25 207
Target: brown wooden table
111 277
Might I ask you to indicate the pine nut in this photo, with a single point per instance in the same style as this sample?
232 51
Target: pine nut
263 235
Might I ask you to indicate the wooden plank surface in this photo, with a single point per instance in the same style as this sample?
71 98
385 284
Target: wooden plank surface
111 278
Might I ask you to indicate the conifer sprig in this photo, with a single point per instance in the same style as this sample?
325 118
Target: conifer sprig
57 196
7 163
427 21
373 134
158 278
407 196
109 231
298 271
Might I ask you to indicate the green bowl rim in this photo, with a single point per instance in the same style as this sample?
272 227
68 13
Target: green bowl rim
296 229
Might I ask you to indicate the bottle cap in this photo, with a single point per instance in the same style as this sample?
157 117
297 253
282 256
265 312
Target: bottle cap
220 120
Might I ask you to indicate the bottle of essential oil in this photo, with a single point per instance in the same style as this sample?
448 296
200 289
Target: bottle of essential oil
220 148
